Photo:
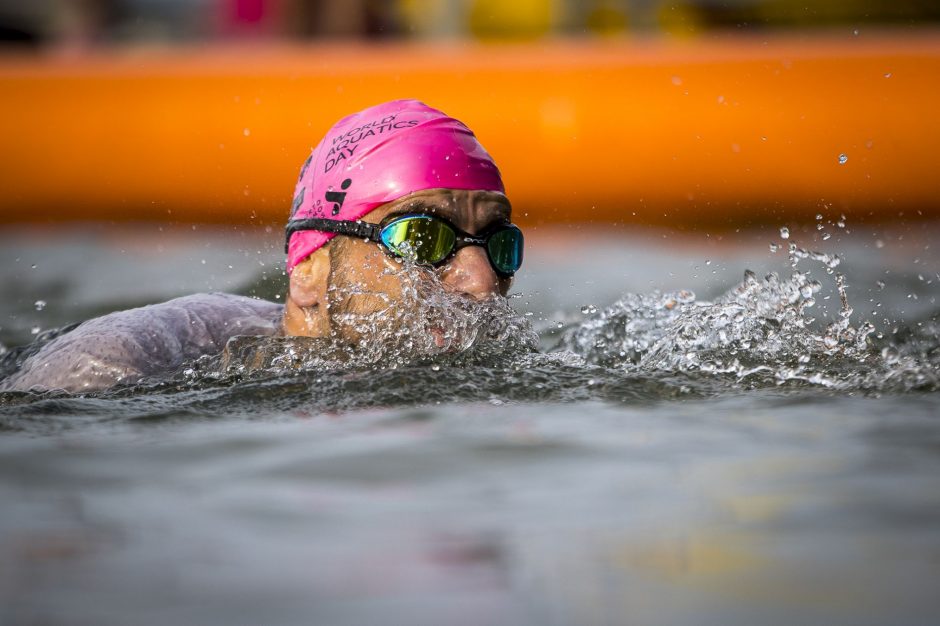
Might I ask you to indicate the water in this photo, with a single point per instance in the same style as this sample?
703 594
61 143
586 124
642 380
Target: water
656 437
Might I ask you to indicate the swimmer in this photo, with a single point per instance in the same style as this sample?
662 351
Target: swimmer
396 180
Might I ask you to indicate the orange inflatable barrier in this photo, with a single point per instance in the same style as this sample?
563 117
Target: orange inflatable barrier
683 133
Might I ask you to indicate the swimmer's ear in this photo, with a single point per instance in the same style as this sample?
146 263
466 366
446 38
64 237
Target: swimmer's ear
309 280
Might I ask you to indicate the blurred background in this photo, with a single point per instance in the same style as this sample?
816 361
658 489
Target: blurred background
98 22
719 113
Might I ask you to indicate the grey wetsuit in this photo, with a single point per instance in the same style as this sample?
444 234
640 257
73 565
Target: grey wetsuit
125 346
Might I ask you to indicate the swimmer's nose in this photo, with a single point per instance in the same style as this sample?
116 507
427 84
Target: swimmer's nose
471 274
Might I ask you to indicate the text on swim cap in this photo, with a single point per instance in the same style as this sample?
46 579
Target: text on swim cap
344 146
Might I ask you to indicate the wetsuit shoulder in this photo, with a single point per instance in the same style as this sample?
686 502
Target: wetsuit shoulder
126 346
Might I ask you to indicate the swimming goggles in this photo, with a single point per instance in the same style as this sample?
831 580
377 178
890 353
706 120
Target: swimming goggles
428 239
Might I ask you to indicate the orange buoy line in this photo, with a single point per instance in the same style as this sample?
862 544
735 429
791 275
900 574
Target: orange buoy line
680 133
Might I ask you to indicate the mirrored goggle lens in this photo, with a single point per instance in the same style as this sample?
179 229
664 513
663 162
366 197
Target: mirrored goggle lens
505 250
425 239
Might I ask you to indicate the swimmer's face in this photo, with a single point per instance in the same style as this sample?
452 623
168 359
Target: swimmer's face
369 269
364 278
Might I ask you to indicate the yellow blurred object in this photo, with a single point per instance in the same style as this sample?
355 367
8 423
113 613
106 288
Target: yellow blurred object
421 16
680 19
515 19
606 18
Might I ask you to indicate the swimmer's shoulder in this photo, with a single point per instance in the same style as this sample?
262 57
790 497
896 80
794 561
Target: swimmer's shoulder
126 345
216 300
231 314
191 326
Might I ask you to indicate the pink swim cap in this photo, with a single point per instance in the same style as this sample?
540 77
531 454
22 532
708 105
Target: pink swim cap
381 154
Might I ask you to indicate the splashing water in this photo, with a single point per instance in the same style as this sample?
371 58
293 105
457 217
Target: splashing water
759 333
426 325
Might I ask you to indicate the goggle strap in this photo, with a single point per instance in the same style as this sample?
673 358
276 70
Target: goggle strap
337 227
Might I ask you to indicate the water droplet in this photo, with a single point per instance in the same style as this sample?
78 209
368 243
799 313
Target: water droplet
588 309
40 305
826 236
34 330
879 244
784 233
887 74
819 216
708 262
246 132
880 284
890 355
774 247
842 159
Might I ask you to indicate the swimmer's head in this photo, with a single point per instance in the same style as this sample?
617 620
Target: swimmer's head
397 173
379 155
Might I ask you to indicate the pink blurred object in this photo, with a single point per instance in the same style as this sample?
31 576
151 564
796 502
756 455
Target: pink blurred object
241 18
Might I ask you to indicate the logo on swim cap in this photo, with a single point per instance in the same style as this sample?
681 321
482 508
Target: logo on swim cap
338 197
